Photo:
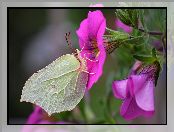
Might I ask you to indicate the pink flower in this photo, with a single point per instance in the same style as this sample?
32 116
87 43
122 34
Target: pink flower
37 117
123 26
90 35
137 92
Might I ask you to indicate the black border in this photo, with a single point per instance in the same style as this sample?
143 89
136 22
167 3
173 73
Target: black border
92 8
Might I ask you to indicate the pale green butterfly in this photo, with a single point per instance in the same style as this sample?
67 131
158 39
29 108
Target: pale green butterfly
59 86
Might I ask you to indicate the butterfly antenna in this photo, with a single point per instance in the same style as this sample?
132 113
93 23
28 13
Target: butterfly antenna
68 40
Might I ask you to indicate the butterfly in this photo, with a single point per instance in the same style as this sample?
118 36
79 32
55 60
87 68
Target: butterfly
59 86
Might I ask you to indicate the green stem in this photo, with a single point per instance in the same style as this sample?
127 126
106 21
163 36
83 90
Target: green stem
151 32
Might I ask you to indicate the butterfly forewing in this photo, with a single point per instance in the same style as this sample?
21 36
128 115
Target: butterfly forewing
57 68
58 87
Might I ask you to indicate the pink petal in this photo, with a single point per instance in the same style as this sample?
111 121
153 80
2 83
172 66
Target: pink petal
129 109
136 82
123 26
92 68
95 21
35 116
119 89
82 33
143 91
101 31
96 67
137 65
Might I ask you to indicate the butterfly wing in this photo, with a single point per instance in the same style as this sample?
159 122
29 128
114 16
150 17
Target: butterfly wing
74 96
55 88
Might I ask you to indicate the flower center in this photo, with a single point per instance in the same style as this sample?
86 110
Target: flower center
110 45
94 48
152 71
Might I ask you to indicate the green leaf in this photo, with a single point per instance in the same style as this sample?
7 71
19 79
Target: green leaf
128 16
154 52
135 40
114 39
116 35
141 17
146 59
123 16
